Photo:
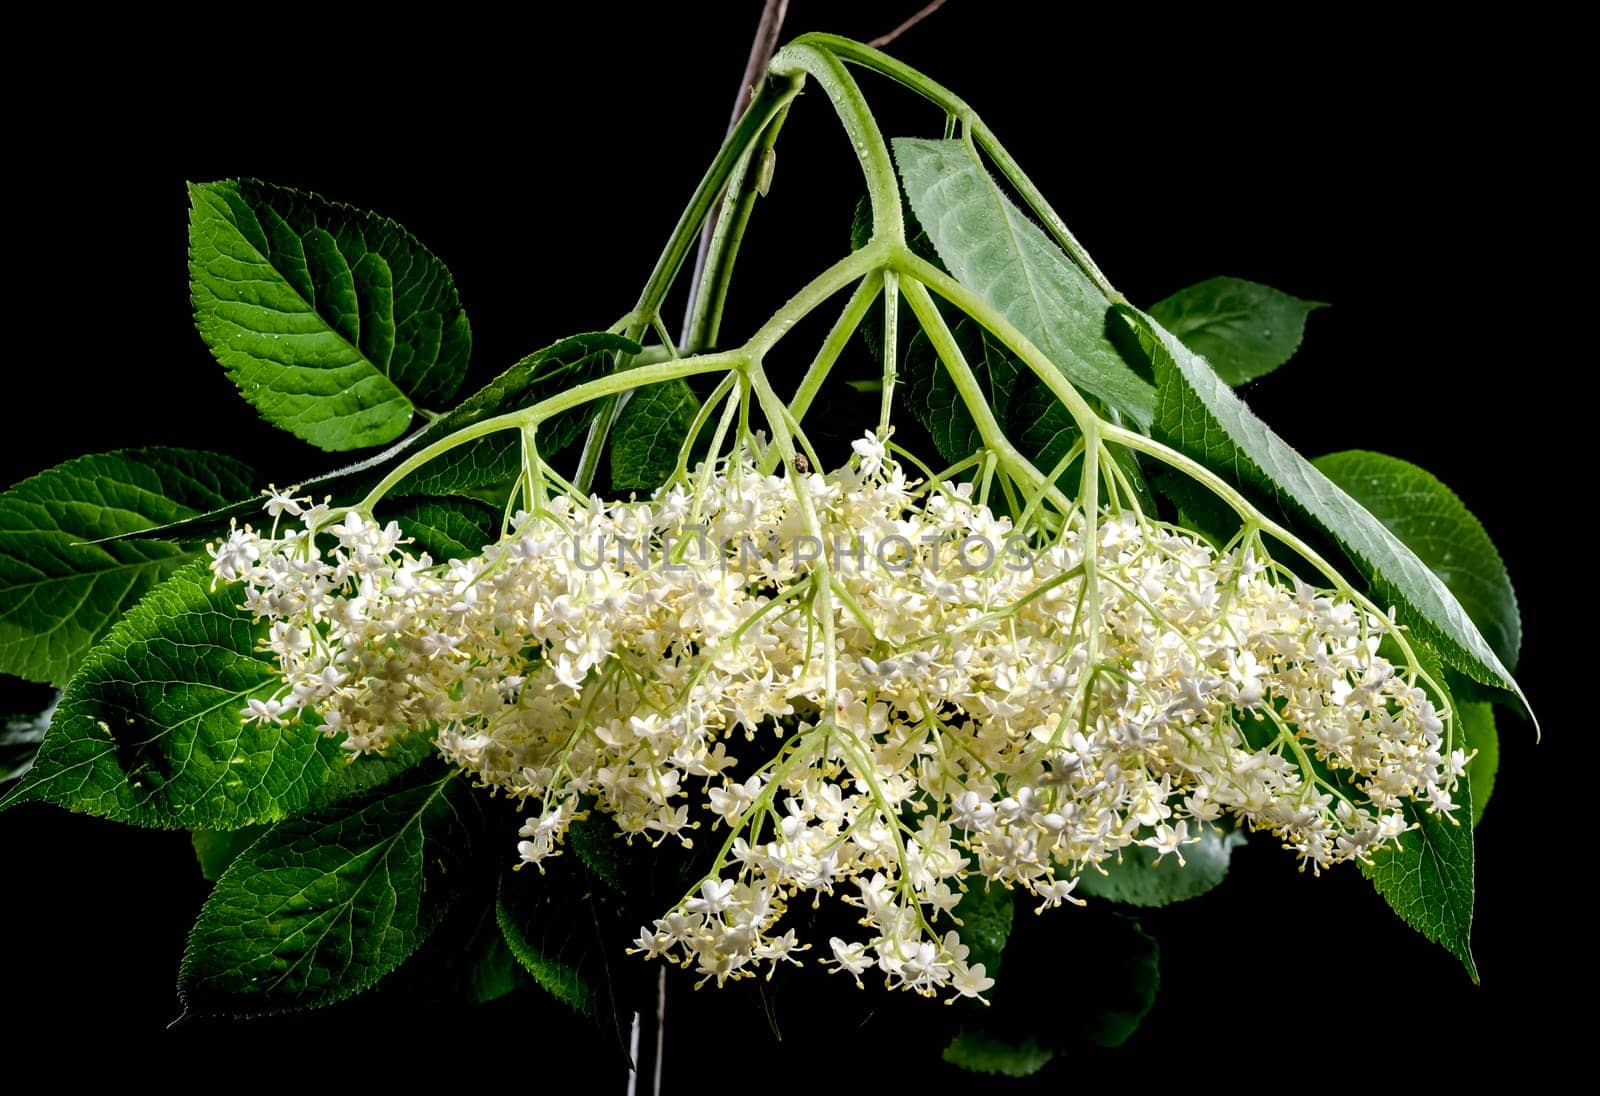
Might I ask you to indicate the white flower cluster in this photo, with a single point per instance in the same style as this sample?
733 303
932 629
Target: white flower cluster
1007 727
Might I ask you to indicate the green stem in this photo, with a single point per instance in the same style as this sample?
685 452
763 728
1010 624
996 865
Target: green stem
705 321
891 347
680 472
822 606
981 134
910 264
818 290
573 397
772 97
838 338
803 56
828 353
971 392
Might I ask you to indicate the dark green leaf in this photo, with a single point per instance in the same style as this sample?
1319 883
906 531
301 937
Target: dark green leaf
1126 976
648 435
926 388
1198 415
216 849
1431 521
1035 421
1111 964
355 776
20 737
597 843
58 593
1244 329
446 528
334 322
552 937
488 465
324 905
1140 880
1475 723
1428 879
493 971
982 1052
986 915
149 730
993 249
544 373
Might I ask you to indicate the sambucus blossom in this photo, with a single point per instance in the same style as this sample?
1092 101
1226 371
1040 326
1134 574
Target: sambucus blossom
1003 726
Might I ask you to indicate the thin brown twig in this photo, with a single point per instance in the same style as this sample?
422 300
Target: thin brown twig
762 47
884 39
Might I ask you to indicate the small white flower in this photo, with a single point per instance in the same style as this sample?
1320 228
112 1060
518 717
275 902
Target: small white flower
872 451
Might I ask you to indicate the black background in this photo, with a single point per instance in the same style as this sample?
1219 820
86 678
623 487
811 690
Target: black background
1410 175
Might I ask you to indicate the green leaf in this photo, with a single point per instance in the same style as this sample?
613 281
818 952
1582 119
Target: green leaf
986 915
1126 977
926 388
552 938
1111 963
493 971
490 464
149 729
446 528
597 844
1244 329
216 849
547 372
1431 521
992 248
20 737
1198 415
58 592
648 435
334 322
1475 721
981 1052
356 775
490 461
1428 878
325 905
1139 879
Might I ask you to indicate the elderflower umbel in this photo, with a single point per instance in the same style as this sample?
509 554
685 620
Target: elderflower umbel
664 663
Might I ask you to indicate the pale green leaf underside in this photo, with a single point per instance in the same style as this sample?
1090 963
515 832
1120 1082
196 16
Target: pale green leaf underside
1199 415
149 729
58 592
648 435
1244 329
1141 880
991 247
323 906
334 322
1431 521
